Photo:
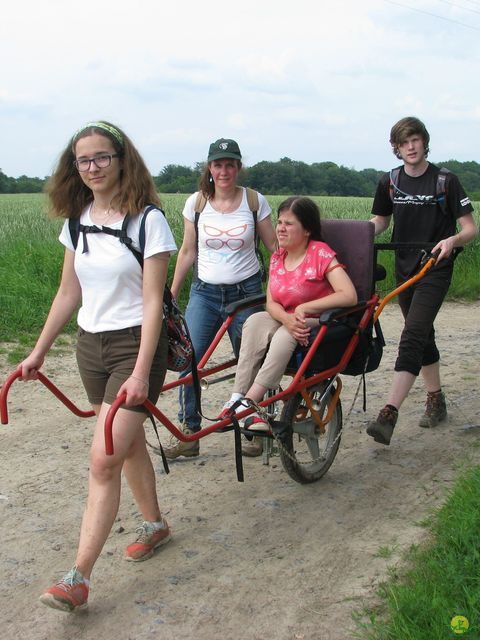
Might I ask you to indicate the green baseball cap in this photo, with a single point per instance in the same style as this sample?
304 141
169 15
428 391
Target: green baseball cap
224 148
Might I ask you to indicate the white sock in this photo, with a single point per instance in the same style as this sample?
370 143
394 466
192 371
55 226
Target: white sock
236 396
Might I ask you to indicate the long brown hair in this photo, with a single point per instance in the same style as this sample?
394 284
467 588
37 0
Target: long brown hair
69 195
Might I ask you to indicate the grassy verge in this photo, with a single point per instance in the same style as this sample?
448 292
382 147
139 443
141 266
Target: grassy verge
442 578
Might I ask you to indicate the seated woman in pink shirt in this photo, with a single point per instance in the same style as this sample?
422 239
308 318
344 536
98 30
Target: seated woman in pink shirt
305 280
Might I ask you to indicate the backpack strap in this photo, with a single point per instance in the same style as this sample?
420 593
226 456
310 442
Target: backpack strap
441 189
394 173
200 203
252 199
74 229
253 205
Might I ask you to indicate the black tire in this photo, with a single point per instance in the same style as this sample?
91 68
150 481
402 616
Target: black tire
307 457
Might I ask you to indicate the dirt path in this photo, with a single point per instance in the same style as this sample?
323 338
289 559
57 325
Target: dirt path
267 559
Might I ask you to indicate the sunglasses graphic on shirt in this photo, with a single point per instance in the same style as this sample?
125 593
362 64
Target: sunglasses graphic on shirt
233 243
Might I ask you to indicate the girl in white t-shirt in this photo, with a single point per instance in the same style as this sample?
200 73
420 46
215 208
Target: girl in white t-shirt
121 348
227 270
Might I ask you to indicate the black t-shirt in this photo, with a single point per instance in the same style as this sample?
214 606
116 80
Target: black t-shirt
417 216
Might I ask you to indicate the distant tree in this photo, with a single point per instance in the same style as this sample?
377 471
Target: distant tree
24 184
6 184
468 173
175 178
284 177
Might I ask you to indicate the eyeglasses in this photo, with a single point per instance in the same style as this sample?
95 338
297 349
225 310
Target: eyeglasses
101 162
233 243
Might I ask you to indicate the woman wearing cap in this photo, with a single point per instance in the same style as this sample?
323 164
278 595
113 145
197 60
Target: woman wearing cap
222 247
121 347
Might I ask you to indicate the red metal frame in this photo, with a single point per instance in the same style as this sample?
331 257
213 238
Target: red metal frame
371 311
50 386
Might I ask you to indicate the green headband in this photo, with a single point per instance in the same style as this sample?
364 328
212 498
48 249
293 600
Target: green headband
115 133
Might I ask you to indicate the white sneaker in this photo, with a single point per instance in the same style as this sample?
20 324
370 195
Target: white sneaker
227 408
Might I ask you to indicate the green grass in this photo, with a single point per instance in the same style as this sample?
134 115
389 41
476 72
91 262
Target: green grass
441 579
31 257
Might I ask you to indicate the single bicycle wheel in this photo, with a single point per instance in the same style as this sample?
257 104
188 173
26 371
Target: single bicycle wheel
306 452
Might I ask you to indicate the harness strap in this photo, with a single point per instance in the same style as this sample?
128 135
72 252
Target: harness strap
237 434
162 453
84 229
440 187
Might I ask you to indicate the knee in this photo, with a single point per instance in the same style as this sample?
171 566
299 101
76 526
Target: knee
104 468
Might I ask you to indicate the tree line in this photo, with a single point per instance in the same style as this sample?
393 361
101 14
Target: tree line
283 177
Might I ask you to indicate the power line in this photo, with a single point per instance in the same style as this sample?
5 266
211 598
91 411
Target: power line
454 4
434 15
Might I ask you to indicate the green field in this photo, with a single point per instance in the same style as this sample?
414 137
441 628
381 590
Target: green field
31 257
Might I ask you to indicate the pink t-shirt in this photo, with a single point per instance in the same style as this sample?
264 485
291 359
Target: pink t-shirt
306 282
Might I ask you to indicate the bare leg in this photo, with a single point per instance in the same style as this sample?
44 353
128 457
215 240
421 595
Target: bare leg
256 392
138 470
104 484
401 384
431 377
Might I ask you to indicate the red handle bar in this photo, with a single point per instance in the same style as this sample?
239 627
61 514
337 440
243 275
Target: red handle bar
50 386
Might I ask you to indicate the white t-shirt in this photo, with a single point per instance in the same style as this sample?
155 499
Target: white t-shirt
226 242
109 274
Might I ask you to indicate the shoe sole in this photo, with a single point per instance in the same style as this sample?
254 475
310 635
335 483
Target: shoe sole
173 456
258 428
60 605
428 423
378 437
148 555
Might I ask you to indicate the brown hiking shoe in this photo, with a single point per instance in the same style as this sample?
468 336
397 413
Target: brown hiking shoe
254 448
176 448
435 410
382 428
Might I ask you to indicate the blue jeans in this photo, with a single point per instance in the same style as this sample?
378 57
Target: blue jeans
204 315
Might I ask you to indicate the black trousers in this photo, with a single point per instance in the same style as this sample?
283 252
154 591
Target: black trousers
420 304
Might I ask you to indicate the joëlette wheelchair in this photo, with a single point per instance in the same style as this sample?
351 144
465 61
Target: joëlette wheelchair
307 428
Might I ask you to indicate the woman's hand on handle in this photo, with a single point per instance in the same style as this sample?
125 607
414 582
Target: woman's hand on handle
30 366
136 390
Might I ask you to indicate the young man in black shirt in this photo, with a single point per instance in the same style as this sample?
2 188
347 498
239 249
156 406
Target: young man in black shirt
422 212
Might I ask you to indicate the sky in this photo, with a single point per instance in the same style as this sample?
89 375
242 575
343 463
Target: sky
311 80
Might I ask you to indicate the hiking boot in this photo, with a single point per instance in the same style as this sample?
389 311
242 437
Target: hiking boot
254 448
435 410
149 538
70 594
382 428
177 448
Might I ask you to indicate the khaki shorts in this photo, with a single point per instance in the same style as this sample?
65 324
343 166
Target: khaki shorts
105 360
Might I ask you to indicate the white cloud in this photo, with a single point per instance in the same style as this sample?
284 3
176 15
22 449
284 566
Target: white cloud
313 81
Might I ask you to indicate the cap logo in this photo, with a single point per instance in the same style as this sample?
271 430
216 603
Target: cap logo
223 146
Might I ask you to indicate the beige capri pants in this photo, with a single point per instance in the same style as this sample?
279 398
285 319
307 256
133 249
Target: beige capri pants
259 331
